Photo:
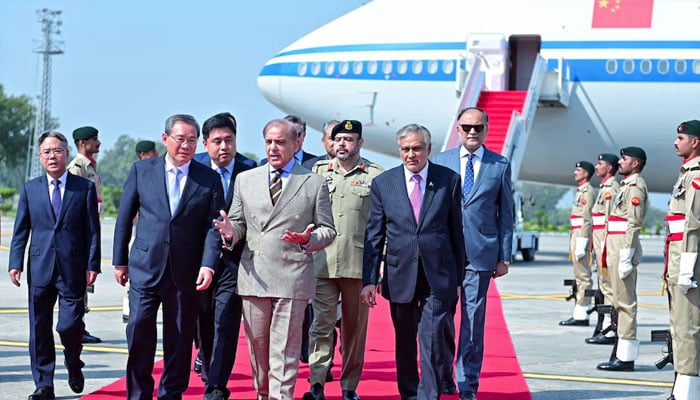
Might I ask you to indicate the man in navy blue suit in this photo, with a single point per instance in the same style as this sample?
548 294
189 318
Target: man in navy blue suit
220 316
415 212
59 210
487 216
173 255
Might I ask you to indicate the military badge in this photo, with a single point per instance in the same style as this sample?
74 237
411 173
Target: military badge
607 196
635 201
696 183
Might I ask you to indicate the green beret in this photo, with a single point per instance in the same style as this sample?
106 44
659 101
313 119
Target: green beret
347 126
690 127
635 152
586 166
145 146
612 159
84 133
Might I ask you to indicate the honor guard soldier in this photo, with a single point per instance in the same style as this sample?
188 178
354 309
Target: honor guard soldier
579 243
605 169
682 268
146 149
338 269
624 251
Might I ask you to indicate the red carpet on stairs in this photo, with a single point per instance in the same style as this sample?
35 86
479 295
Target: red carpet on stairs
501 376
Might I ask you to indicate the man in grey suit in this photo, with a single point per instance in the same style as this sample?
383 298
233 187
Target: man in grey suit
415 212
487 216
284 213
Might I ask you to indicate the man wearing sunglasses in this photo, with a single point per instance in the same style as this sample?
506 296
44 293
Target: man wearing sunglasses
487 217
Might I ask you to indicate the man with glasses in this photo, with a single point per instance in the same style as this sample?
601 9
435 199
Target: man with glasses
59 211
172 257
487 215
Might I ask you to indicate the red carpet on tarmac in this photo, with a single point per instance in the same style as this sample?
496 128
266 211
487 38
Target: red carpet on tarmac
501 377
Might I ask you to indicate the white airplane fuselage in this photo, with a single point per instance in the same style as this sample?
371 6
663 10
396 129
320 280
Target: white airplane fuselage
391 62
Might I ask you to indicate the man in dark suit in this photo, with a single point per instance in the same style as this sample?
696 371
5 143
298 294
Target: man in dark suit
327 143
487 216
173 255
415 212
59 210
220 315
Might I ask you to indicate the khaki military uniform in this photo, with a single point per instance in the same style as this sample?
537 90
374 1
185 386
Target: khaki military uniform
82 166
683 228
338 271
624 248
579 243
599 217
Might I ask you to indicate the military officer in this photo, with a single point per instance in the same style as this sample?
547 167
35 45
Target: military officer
624 251
682 267
146 149
338 268
605 169
579 243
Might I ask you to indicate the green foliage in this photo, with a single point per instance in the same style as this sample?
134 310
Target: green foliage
539 198
7 192
115 163
16 116
110 200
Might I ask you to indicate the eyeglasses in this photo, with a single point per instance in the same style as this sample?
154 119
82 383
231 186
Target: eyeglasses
181 140
477 128
46 153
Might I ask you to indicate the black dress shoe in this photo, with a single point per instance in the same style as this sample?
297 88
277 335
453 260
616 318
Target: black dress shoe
574 322
315 393
216 394
76 379
42 393
89 339
616 365
601 339
671 397
448 388
197 366
350 395
329 375
467 396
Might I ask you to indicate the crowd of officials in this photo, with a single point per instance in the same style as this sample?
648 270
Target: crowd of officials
301 245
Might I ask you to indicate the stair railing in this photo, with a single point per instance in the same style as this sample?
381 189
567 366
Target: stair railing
469 95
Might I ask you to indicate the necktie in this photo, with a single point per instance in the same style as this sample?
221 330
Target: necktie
468 177
416 197
276 186
175 191
56 198
224 179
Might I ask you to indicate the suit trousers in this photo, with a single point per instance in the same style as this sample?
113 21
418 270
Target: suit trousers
273 331
179 321
70 328
470 351
684 317
624 290
353 330
582 272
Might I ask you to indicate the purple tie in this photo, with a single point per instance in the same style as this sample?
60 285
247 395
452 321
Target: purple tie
416 196
56 198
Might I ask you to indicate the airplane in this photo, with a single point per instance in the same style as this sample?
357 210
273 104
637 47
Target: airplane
562 81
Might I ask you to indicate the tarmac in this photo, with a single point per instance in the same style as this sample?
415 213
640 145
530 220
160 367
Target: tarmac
555 360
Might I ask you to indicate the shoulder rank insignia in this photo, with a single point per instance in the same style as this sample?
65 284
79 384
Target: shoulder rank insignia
635 201
330 167
696 183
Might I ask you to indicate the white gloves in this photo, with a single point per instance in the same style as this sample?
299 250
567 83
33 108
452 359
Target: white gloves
580 249
624 268
685 275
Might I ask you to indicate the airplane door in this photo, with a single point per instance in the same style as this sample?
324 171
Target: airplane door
523 50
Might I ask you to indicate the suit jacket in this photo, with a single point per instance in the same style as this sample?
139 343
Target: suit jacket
241 163
70 243
187 238
487 215
309 164
304 158
437 237
272 267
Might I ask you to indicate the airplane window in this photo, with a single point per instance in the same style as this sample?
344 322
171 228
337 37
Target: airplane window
417 67
402 67
662 66
696 67
645 67
357 67
387 66
432 66
628 66
680 67
302 69
611 66
372 67
330 67
316 68
448 66
344 68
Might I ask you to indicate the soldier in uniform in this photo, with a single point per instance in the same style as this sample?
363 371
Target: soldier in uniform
682 267
84 165
624 251
146 149
605 169
338 269
579 242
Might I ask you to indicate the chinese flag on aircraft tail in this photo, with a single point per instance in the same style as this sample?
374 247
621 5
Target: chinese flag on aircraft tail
622 13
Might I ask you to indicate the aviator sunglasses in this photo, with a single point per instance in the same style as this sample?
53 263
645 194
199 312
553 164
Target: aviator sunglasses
477 128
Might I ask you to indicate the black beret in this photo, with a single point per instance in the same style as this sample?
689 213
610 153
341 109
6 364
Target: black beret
610 158
587 166
347 126
690 127
145 146
84 133
635 152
